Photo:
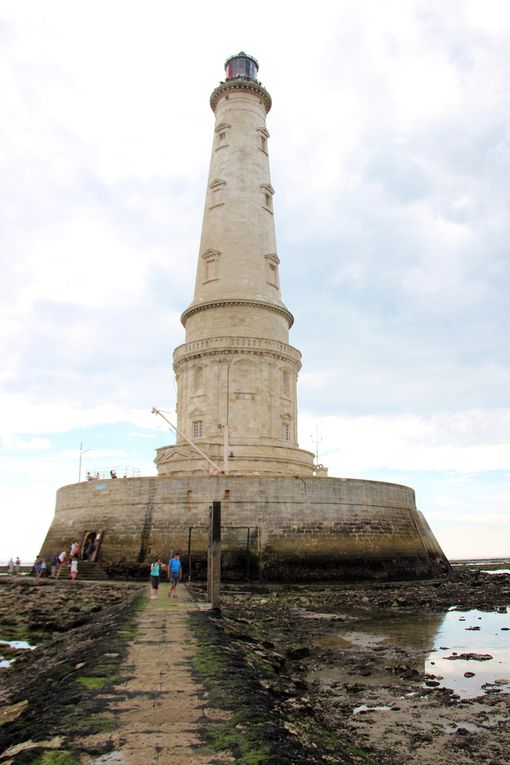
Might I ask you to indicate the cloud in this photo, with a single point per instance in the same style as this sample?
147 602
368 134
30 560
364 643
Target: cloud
27 445
390 158
467 443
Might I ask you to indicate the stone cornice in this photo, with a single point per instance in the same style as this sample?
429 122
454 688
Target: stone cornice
280 309
218 346
251 86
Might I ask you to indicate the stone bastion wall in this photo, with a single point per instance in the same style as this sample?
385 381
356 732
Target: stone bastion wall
277 528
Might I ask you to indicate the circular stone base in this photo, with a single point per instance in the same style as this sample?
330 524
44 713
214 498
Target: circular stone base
273 528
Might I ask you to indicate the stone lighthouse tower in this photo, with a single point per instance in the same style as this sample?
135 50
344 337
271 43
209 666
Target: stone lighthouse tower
236 373
237 411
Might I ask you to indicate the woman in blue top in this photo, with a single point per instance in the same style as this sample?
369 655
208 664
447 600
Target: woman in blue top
155 570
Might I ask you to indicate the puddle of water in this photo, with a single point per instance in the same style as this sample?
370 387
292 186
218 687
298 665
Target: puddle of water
496 571
365 708
332 641
491 638
434 637
416 632
19 645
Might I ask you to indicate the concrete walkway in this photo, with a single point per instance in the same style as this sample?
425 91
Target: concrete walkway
161 708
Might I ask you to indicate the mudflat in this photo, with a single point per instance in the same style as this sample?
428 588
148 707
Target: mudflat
385 674
390 673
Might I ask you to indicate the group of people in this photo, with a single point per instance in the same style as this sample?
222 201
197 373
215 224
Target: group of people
174 575
14 566
57 564
97 477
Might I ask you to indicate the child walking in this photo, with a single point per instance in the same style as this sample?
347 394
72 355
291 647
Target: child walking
74 567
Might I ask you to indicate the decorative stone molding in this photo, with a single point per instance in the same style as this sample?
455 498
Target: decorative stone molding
221 126
222 303
225 346
249 86
226 355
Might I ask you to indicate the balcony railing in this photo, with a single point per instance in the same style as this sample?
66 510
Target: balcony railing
122 471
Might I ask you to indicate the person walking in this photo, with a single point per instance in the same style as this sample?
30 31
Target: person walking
174 574
17 566
61 560
40 569
53 564
155 572
10 566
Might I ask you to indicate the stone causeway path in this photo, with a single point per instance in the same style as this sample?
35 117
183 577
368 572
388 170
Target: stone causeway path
161 708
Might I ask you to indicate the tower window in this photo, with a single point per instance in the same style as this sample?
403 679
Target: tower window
216 188
272 262
198 428
221 132
285 431
267 192
211 265
211 269
263 136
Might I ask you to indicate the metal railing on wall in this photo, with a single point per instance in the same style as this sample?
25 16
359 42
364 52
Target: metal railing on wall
118 471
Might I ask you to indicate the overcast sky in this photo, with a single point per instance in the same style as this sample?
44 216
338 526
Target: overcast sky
390 159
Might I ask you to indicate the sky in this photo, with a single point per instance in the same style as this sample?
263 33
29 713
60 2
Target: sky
390 159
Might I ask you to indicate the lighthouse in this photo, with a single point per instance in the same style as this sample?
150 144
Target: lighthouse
236 373
283 517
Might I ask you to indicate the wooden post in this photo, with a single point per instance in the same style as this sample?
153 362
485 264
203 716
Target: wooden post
189 553
209 544
214 581
248 554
